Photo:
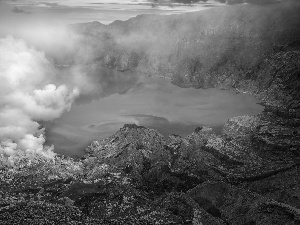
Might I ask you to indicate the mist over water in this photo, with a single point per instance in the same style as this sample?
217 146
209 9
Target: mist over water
47 69
150 102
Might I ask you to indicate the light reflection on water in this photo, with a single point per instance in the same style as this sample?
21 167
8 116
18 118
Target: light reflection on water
150 102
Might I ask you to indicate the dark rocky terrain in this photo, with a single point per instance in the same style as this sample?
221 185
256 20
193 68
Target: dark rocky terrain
250 174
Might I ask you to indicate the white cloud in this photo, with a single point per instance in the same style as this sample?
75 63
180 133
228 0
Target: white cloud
28 93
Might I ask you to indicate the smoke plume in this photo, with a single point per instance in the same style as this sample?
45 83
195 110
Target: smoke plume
29 92
40 78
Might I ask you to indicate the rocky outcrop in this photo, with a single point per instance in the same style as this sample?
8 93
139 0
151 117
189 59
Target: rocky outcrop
220 174
249 174
238 206
137 176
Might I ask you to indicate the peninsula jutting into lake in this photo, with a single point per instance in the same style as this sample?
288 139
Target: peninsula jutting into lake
150 112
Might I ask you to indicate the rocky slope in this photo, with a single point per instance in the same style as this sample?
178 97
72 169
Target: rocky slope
137 176
249 174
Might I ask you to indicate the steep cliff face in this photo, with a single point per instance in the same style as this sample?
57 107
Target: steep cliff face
199 49
249 48
247 175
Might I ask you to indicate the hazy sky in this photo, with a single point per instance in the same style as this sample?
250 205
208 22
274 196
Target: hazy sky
61 12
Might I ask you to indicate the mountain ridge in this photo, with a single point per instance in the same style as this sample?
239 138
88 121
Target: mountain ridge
248 174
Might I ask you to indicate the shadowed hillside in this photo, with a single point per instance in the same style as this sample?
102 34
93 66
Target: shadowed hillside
243 47
197 49
249 174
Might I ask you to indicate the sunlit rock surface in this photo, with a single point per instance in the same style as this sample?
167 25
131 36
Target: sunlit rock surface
139 177
249 174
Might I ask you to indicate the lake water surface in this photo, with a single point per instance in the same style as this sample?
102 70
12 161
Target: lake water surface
150 102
